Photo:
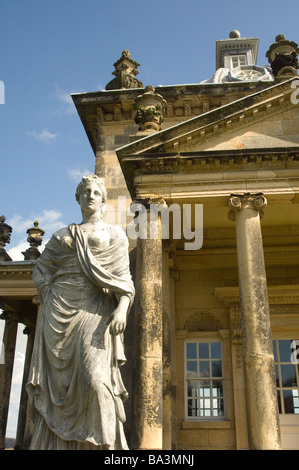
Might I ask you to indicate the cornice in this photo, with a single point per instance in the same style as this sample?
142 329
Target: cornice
277 295
16 279
225 119
16 268
276 169
211 160
18 294
106 108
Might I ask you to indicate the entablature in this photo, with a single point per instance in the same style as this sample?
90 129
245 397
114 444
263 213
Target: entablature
18 294
106 108
216 172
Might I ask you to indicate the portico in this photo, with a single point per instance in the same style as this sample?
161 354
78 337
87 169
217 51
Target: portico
208 341
197 162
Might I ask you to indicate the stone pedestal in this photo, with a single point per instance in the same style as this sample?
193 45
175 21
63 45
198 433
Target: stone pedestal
261 395
147 416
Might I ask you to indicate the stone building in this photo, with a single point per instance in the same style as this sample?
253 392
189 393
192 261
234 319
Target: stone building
213 168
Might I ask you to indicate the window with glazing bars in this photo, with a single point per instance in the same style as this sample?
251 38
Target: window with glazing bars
287 375
204 380
238 60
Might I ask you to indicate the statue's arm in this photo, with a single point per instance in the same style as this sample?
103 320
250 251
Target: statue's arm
119 317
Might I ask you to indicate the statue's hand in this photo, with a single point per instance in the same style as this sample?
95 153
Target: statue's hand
119 321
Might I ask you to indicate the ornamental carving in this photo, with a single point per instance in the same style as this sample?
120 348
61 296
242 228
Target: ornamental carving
202 321
5 232
235 323
125 73
282 56
246 201
151 108
35 235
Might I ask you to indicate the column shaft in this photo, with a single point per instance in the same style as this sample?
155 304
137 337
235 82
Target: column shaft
261 395
147 403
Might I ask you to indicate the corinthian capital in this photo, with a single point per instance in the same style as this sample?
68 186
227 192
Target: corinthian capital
246 201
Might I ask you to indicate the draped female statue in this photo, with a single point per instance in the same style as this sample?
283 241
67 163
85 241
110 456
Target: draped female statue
84 283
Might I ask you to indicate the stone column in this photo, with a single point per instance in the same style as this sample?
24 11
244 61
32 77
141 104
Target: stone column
261 394
167 351
6 371
147 403
24 397
238 377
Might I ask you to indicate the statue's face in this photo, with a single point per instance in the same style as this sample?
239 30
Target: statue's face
91 198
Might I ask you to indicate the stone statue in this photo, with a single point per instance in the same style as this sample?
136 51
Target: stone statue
84 283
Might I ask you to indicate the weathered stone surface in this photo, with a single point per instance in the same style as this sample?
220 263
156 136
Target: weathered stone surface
261 395
5 233
125 72
147 418
282 56
83 280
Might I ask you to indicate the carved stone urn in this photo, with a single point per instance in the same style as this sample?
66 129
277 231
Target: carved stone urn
5 232
35 234
282 56
150 109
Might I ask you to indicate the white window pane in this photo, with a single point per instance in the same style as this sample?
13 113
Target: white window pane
204 394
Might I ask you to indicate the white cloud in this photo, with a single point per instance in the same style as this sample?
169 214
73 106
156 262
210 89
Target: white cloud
67 106
18 368
44 136
76 174
16 252
49 220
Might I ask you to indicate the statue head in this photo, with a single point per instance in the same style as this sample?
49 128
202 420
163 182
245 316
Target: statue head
91 179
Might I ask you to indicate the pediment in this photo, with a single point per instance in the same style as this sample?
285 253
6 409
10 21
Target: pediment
269 118
252 129
237 141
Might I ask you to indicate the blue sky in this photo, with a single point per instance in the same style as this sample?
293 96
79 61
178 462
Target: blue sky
50 49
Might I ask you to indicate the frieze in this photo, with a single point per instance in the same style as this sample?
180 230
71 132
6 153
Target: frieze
12 269
193 162
7 274
285 297
126 112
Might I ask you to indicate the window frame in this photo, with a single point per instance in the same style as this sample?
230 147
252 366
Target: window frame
208 340
278 375
238 57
